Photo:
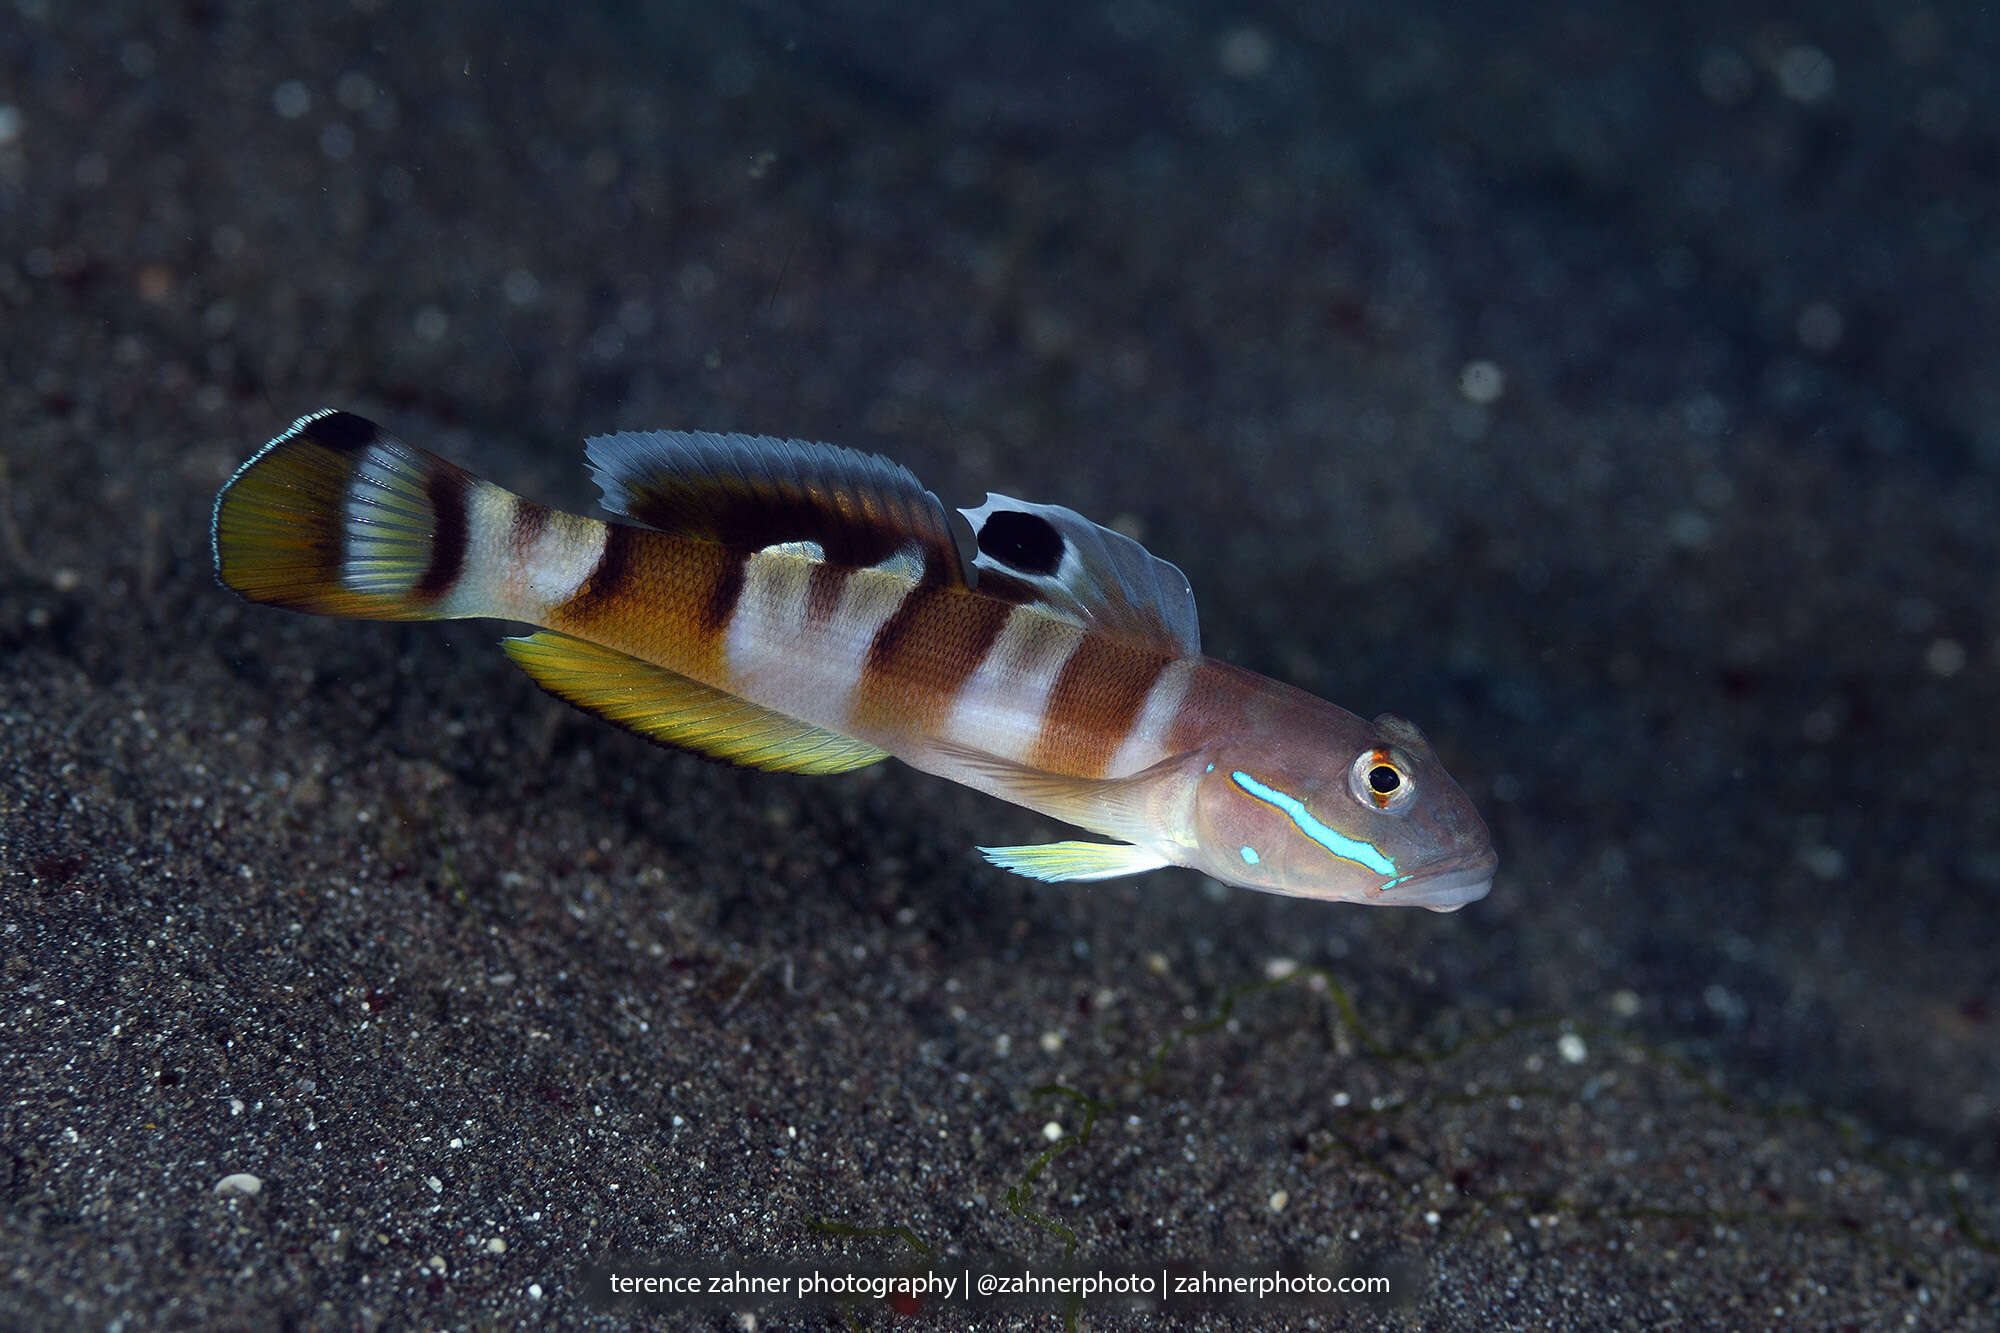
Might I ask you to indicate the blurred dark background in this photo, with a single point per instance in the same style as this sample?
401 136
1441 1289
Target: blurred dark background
1611 389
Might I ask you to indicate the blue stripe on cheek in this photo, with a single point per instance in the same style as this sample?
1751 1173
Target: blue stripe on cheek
1346 848
1250 857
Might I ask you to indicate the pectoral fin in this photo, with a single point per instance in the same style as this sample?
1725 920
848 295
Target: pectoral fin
1054 861
1122 807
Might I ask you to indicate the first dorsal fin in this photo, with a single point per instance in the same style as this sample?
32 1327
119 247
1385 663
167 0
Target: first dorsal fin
664 706
1086 573
755 491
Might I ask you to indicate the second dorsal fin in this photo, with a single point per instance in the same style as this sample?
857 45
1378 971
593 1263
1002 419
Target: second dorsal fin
755 491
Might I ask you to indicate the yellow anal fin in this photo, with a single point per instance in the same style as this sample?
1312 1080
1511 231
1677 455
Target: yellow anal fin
1055 861
664 706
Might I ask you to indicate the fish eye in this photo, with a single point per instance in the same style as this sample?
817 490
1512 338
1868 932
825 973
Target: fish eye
1381 778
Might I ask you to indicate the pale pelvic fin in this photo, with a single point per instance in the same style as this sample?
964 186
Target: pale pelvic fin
664 706
754 491
1086 573
1053 861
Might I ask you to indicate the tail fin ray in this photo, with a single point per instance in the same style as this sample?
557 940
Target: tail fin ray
339 518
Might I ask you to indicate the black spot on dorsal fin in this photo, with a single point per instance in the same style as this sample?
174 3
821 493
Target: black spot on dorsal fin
1028 543
1082 572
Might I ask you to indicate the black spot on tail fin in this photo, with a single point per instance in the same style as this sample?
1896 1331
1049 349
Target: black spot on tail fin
340 431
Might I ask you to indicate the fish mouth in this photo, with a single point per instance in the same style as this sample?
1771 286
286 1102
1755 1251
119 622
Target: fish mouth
1447 887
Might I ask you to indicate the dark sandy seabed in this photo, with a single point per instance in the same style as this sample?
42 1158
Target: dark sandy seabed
1697 595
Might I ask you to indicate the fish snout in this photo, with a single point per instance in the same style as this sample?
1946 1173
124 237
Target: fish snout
1446 886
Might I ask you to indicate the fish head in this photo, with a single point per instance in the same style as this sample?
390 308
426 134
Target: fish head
1346 812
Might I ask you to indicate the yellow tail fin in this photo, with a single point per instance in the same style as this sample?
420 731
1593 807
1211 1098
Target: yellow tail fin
340 518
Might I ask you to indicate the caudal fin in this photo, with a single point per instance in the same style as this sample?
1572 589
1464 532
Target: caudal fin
340 518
